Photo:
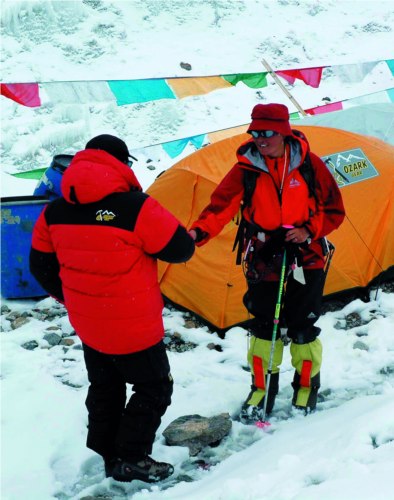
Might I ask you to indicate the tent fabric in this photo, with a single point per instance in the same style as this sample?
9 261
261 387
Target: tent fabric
212 286
375 119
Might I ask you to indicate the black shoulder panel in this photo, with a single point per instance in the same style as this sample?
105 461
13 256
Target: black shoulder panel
250 179
308 173
116 210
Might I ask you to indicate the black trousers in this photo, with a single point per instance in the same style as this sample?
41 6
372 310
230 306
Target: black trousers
118 428
301 306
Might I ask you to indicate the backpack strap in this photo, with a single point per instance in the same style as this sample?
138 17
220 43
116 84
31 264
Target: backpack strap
308 173
249 179
306 170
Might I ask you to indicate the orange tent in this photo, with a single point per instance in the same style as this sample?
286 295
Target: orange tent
212 286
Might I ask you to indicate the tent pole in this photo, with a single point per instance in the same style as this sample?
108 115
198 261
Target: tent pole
277 80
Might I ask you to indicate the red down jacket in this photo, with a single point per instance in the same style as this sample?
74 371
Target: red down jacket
96 250
270 211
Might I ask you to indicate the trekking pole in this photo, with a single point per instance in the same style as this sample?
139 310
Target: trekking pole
273 340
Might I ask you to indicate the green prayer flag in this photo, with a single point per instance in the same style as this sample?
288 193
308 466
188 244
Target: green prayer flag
31 174
295 116
252 80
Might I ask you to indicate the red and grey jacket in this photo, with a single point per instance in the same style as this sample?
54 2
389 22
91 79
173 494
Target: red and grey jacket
268 210
96 248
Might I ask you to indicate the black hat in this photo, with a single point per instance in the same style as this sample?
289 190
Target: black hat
111 144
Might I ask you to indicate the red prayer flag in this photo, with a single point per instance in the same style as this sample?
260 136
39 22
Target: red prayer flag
310 76
22 93
327 108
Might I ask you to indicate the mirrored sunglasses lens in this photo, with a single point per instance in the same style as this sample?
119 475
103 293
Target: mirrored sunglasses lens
268 133
263 133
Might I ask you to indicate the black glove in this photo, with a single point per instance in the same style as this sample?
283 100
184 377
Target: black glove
200 235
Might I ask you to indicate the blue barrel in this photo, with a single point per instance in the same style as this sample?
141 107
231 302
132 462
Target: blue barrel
18 216
49 184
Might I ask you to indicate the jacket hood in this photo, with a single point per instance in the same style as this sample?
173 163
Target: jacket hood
248 155
94 174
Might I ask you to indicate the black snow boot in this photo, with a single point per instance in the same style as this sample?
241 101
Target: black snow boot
145 469
109 464
251 414
312 397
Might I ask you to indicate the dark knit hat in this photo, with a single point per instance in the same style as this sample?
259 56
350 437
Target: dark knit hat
111 144
271 117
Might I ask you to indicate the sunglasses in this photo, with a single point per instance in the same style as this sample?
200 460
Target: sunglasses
267 134
129 162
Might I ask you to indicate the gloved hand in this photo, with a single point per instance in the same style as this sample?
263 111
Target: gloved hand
197 234
275 246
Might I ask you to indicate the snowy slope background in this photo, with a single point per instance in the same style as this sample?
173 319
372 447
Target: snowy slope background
343 451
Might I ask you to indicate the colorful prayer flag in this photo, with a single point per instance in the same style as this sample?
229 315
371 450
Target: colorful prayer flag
135 91
27 94
252 80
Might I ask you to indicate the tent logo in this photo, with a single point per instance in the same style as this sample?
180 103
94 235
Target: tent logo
104 215
349 167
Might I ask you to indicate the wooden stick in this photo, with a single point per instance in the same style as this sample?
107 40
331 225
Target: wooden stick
277 80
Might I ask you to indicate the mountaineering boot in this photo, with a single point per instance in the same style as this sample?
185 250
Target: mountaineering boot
308 401
259 355
144 469
250 413
109 464
307 360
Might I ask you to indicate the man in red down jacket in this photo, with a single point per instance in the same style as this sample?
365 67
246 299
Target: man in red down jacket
294 202
95 249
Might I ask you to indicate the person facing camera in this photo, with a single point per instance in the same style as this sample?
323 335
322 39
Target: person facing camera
289 203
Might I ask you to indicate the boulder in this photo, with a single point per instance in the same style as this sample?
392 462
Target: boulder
196 432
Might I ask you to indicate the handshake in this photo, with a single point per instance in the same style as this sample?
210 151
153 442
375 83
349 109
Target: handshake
197 234
291 238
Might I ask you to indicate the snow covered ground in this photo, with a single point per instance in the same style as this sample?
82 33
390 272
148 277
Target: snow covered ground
345 451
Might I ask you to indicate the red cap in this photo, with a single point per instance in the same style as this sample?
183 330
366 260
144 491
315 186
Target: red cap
271 117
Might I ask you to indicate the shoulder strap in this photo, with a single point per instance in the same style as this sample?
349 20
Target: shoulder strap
308 173
250 179
306 170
